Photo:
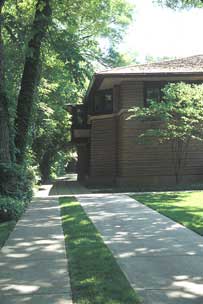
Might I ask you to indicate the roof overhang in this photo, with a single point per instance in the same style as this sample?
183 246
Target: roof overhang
108 80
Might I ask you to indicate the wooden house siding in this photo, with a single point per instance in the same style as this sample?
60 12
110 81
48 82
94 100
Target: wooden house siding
108 149
103 149
115 154
131 94
151 163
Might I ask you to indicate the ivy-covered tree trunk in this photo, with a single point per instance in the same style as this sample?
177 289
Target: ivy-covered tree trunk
5 156
30 77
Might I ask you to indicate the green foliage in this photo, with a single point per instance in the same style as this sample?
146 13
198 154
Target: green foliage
180 113
11 208
118 59
69 52
20 181
5 230
177 120
64 162
180 3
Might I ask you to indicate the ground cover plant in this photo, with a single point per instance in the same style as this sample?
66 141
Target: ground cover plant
95 275
11 210
183 207
5 230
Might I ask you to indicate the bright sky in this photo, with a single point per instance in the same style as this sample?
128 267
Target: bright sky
159 31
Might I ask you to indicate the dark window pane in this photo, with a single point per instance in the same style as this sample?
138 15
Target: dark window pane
152 94
108 102
103 102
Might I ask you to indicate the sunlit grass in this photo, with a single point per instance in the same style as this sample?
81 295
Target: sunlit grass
5 230
95 275
183 207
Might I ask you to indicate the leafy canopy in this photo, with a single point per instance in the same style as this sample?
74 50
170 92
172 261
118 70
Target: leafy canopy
69 53
179 116
181 3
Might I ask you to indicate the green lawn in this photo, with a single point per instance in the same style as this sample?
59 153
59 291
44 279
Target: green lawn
95 275
183 207
5 230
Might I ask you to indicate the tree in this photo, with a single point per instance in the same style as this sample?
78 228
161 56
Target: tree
176 121
115 58
180 3
48 63
4 119
74 39
30 76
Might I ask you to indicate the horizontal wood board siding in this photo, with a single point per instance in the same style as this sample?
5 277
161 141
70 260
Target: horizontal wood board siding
117 155
137 159
148 163
103 148
131 94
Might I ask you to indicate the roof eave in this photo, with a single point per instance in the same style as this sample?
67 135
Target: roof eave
99 77
94 84
147 74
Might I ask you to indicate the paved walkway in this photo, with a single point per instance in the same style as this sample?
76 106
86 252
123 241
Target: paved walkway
67 186
162 260
33 264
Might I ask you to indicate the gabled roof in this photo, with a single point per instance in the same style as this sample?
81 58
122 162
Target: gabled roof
192 64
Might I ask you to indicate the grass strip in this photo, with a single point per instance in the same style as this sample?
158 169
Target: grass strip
95 275
5 230
185 208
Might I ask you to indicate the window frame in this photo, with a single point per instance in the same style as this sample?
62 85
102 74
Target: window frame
102 93
161 84
153 84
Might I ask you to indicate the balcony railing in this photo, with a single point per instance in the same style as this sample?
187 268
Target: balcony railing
80 128
79 117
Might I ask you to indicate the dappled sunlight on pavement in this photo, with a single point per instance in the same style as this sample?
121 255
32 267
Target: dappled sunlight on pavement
162 259
67 185
33 264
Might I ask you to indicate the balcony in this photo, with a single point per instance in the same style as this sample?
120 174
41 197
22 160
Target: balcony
80 129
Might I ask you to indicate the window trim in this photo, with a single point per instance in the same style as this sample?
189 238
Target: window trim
153 84
103 92
161 84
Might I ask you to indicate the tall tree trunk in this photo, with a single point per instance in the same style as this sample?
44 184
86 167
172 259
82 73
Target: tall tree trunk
5 156
30 77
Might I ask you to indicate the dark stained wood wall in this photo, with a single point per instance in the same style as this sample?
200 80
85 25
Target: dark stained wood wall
83 161
148 163
103 150
116 155
131 94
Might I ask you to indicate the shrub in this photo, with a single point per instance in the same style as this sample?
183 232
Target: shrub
16 181
11 208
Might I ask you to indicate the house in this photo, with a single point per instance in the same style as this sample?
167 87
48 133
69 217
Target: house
108 152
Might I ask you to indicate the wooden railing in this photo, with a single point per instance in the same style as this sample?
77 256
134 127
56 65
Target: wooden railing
80 128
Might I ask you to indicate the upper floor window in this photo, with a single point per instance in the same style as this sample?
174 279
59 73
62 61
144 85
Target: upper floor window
103 102
153 92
